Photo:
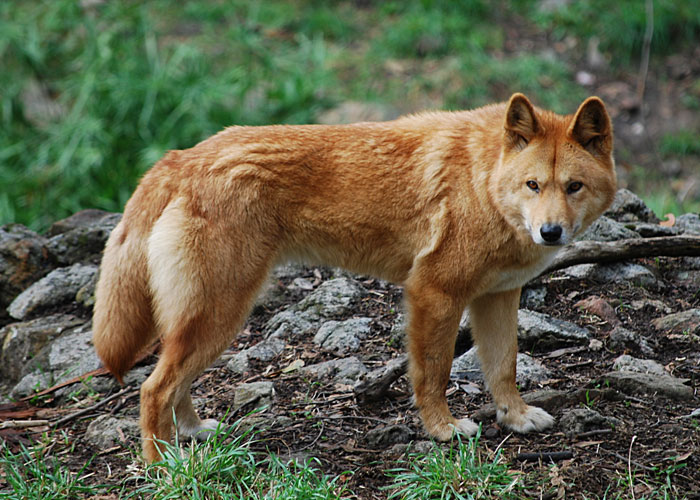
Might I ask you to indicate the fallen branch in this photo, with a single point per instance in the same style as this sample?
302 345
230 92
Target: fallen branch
23 424
93 373
375 384
74 380
97 405
545 456
596 252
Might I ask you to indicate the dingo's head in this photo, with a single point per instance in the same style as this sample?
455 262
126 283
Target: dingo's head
556 174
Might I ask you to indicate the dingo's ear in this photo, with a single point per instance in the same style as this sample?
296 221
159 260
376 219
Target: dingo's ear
521 123
591 127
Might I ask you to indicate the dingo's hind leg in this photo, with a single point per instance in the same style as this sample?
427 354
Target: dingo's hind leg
204 279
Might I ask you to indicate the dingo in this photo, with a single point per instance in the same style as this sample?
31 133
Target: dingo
462 208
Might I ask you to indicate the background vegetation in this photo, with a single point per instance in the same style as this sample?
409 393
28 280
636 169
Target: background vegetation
93 92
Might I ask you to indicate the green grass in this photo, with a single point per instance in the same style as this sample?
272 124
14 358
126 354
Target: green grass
620 26
649 486
126 91
227 467
31 473
462 472
683 142
91 98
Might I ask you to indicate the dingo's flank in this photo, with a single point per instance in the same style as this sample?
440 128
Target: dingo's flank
461 208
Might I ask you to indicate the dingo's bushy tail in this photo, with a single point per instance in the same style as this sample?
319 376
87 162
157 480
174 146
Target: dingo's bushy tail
123 324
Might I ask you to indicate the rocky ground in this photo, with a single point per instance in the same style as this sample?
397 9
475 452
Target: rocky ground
611 350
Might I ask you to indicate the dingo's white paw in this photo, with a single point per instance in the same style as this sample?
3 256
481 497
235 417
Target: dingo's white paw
533 419
201 432
466 427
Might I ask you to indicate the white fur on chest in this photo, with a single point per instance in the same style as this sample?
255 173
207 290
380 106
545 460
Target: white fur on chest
516 277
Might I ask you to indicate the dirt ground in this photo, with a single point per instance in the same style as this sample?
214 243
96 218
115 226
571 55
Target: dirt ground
656 441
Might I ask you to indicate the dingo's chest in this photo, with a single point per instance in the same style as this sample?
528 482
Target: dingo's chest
515 277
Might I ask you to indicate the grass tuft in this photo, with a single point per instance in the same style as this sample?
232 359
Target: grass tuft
31 474
225 467
461 472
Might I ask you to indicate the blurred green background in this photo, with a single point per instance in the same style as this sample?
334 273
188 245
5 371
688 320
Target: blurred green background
93 92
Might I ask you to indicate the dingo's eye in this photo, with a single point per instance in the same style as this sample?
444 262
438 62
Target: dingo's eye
574 186
533 185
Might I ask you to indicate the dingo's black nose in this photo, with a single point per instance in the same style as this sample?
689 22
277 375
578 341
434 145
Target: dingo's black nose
551 232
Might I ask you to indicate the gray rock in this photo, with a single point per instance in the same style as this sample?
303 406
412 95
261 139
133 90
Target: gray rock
72 354
31 383
581 420
21 342
23 260
548 399
626 272
332 298
66 357
385 437
239 363
580 271
86 294
689 223
467 366
620 272
258 421
265 350
302 284
290 323
649 230
621 338
82 236
643 303
341 337
259 393
533 298
627 363
607 229
529 371
681 322
58 287
627 206
689 277
400 450
342 371
690 263
107 431
543 328
643 383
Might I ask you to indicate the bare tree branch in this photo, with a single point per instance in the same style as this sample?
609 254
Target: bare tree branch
595 252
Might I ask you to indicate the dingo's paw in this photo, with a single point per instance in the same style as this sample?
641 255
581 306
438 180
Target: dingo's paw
533 419
446 431
466 427
201 432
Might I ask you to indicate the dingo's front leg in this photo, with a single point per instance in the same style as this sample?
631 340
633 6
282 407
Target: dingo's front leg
494 322
434 320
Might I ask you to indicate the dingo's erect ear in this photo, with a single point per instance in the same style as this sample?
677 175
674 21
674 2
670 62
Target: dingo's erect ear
521 123
591 127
